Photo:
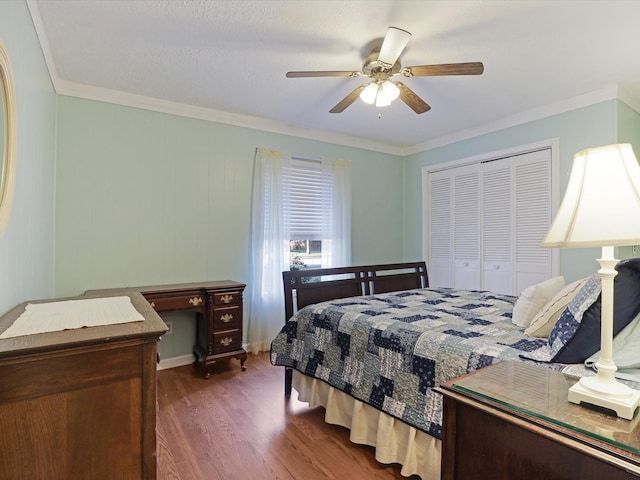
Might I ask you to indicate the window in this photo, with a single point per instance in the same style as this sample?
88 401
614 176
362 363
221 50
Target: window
301 218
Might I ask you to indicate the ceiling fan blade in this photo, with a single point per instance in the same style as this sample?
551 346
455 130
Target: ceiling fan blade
328 73
470 68
348 100
393 44
409 97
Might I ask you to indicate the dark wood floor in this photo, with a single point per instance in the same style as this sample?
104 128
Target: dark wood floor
238 425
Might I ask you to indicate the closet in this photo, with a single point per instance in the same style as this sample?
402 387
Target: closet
485 221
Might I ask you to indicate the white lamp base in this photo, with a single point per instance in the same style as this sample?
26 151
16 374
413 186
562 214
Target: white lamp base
614 395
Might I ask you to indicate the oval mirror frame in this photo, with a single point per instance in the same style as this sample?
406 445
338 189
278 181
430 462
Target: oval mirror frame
8 170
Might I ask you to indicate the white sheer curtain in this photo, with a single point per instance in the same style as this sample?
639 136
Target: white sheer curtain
336 241
269 247
270 235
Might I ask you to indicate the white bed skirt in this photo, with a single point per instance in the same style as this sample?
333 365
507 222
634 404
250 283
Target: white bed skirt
394 440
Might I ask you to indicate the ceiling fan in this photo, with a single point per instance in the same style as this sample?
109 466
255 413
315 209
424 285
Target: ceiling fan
382 64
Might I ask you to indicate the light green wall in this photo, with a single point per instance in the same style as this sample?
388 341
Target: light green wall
628 126
26 248
147 198
628 132
576 130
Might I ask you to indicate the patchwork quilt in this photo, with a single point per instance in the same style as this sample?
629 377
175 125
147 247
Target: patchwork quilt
390 350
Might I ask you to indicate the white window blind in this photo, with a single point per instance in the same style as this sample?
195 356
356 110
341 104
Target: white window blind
310 195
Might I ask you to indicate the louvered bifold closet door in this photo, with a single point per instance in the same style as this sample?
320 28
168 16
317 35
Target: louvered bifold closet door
497 226
486 222
532 218
440 229
466 227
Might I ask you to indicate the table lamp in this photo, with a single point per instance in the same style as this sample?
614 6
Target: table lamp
601 208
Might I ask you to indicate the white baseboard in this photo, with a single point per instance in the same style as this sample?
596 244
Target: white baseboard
176 362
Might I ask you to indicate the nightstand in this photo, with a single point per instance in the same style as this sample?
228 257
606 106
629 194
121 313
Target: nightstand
513 421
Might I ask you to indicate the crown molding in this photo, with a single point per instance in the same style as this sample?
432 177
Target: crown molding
34 11
78 90
609 92
72 89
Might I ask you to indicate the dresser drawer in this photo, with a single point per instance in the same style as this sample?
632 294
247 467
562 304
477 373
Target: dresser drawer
227 341
227 298
184 301
227 318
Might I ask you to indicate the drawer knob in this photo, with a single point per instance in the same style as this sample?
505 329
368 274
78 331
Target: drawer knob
153 304
226 298
195 301
226 341
226 318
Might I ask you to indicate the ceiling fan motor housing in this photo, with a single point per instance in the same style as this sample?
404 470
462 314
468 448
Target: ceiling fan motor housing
374 68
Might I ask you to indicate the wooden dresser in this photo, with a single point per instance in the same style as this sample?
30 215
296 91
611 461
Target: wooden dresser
80 403
513 421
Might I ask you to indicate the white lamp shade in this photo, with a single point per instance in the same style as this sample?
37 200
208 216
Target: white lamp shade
394 42
601 205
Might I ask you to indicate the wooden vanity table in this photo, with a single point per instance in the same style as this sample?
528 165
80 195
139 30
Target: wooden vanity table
218 306
513 420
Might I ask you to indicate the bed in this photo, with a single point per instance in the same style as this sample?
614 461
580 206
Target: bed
369 343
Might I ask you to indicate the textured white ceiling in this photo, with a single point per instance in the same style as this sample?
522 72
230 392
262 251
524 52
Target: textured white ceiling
232 55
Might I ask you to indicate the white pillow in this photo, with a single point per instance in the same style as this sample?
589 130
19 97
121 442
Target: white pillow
533 298
545 320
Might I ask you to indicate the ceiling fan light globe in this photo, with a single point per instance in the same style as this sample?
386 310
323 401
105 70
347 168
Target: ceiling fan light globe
390 90
382 100
368 95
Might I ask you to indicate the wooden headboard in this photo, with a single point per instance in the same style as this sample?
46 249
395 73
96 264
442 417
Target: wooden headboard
306 287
